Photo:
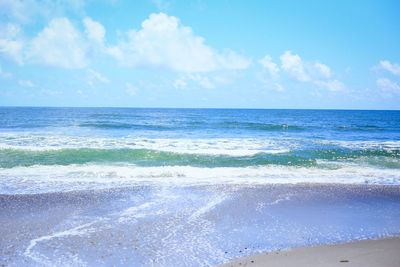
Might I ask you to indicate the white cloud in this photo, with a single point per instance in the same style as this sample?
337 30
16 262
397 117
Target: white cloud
205 80
165 43
20 11
60 44
11 43
26 83
25 11
270 81
391 67
94 77
388 86
293 65
130 89
94 30
304 71
316 73
269 65
162 42
323 70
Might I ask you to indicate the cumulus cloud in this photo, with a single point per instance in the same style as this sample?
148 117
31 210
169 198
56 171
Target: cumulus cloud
164 42
294 66
269 65
161 42
323 70
270 77
313 72
391 85
11 43
316 73
388 86
94 30
59 44
390 67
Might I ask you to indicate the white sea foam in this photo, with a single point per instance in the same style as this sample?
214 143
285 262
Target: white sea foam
204 146
207 207
44 260
385 145
147 208
210 146
40 178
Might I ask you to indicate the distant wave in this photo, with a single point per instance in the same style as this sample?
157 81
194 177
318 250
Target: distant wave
114 122
111 123
192 125
259 126
370 128
121 125
231 125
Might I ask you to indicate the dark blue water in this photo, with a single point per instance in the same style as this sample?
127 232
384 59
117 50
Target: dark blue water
323 124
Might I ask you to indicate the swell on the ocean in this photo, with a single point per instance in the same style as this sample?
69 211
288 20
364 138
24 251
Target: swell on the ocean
146 157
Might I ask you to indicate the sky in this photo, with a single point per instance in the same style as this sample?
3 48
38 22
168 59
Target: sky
200 54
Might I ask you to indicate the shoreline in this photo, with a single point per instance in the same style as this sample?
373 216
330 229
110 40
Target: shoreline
383 252
133 187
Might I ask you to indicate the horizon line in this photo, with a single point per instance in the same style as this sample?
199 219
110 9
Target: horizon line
221 108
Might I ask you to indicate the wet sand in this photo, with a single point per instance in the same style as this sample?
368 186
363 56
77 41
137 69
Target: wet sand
189 226
365 253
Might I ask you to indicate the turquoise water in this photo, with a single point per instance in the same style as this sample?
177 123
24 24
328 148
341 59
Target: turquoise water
190 146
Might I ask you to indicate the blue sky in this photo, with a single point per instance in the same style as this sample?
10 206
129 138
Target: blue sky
225 54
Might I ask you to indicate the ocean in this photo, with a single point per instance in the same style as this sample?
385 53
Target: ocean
191 187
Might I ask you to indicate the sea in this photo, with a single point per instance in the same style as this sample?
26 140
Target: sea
191 187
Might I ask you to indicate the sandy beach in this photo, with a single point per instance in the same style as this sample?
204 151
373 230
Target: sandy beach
366 253
199 225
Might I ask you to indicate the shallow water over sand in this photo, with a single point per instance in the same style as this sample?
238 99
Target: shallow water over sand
188 225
